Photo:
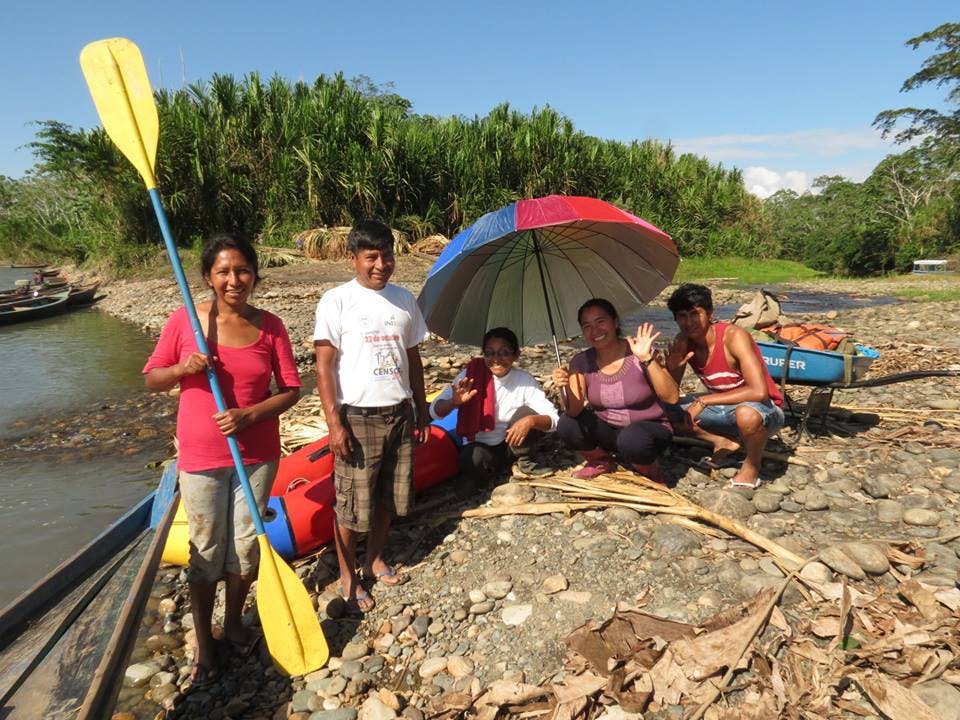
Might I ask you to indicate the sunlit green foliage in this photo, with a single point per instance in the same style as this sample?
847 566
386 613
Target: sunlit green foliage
268 158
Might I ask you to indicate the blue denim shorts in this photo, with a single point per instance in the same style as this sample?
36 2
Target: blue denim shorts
722 419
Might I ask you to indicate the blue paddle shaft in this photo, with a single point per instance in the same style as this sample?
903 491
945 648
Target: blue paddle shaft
202 346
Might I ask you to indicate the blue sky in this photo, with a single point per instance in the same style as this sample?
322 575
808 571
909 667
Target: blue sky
784 91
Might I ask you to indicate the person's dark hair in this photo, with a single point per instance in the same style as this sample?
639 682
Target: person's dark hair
604 305
224 241
502 333
370 235
688 296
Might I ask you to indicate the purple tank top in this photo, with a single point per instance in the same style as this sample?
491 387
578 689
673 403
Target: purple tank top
621 399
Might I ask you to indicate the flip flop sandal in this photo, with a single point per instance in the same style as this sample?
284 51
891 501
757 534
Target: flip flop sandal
741 485
244 649
362 601
391 577
708 462
202 676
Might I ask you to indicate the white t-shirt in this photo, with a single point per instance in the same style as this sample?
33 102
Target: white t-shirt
514 391
372 329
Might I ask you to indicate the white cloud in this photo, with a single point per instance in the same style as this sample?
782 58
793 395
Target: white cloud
801 143
764 182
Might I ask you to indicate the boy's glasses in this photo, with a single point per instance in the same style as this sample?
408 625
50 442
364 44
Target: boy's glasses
501 354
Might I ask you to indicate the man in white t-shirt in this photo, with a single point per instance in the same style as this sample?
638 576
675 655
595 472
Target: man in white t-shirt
369 371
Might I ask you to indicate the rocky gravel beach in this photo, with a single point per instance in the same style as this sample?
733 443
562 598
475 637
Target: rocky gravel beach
501 581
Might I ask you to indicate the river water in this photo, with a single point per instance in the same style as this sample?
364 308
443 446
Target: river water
51 505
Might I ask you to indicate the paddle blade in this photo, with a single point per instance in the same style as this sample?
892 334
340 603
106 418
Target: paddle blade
290 624
118 82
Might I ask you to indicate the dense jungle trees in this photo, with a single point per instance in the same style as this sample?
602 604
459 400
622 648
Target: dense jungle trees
269 158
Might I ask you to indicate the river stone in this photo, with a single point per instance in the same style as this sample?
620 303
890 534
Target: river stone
871 558
791 506
388 698
420 625
936 554
481 608
511 494
338 714
817 572
877 487
816 500
889 511
624 515
382 643
921 516
351 669
766 501
374 709
554 584
498 589
580 597
673 539
952 483
516 614
838 561
770 567
942 697
459 666
300 702
354 651
139 674
944 404
729 503
431 666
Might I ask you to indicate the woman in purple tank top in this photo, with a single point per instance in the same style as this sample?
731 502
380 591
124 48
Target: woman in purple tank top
614 394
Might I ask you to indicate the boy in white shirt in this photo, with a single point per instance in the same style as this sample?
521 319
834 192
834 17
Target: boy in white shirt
367 339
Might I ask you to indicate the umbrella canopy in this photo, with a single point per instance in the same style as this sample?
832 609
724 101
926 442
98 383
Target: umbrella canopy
530 265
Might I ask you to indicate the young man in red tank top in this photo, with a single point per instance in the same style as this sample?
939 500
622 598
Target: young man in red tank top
742 404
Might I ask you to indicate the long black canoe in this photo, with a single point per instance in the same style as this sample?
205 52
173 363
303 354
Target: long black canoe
33 309
65 642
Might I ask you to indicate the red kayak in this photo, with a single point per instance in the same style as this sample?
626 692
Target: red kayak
302 495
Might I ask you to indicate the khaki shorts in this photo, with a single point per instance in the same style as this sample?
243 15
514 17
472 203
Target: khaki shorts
380 472
223 538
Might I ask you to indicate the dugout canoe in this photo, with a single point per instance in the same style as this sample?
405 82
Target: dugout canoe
33 308
65 642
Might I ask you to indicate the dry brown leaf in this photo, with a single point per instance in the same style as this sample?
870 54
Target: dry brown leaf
922 599
950 598
894 700
808 649
504 692
577 687
708 654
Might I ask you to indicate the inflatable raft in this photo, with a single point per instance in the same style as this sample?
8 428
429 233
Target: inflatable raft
299 515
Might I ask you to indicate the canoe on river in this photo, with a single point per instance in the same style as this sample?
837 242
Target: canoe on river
65 642
33 308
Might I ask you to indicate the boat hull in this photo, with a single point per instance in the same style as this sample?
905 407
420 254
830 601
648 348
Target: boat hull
804 366
65 642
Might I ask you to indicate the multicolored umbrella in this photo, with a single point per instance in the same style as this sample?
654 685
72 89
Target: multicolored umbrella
530 265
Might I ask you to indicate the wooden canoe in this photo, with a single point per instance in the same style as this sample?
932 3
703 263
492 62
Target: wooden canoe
82 294
65 643
33 308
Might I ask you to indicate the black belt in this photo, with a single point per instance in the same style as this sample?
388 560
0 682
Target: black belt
370 411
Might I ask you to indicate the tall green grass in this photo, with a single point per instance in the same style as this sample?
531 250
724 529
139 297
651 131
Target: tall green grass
749 271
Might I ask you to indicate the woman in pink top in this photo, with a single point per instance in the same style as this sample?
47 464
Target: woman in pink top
624 385
249 348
